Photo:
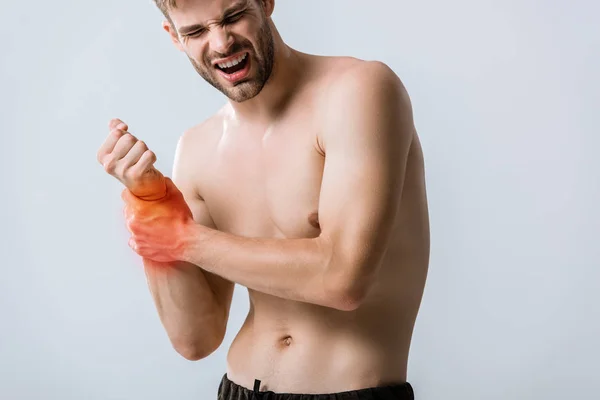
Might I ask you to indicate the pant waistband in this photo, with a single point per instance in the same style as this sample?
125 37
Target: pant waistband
229 390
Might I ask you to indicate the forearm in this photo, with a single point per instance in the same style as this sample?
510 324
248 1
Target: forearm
294 269
187 307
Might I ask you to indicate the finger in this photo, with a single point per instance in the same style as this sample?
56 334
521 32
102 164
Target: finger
115 123
136 207
145 162
134 155
128 198
109 144
132 244
123 146
133 204
126 208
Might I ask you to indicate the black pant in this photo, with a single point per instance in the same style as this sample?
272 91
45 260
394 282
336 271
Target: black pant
231 391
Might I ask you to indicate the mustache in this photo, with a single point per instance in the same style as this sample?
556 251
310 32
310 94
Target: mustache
235 48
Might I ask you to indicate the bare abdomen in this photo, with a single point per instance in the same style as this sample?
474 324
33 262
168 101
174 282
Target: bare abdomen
295 347
303 348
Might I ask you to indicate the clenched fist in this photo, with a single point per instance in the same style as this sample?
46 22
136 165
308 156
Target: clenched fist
156 212
131 162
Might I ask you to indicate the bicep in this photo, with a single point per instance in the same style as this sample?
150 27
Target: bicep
366 141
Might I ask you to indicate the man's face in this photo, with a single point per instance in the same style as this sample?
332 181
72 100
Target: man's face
229 43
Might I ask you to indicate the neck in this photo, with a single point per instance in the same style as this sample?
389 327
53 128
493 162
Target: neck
284 78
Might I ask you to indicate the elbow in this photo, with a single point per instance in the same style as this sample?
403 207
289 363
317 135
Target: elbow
195 350
192 352
348 294
346 278
347 300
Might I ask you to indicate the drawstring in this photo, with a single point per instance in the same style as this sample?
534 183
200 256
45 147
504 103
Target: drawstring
256 385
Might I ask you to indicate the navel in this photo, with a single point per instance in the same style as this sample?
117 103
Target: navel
287 341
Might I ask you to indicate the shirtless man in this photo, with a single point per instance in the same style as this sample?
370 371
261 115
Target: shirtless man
307 188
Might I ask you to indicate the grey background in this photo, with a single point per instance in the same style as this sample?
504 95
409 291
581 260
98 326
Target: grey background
506 97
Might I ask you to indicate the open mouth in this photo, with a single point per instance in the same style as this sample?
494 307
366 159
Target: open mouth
236 65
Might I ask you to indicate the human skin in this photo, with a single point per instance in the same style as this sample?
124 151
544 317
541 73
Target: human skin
192 304
311 194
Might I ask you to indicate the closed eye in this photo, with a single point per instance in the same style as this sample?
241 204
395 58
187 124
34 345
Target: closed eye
196 33
233 18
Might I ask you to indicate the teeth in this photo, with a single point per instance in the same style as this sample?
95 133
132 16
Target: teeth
232 62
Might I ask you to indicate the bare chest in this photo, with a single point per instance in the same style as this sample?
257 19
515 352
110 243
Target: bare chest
266 184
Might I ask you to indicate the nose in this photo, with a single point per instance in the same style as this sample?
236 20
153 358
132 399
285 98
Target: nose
220 39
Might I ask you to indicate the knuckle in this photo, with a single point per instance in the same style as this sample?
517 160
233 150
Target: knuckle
128 137
117 133
120 171
124 143
134 226
130 175
109 165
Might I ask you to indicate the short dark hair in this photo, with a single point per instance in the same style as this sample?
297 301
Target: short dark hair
164 5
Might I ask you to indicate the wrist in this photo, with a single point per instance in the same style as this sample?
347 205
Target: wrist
189 237
152 189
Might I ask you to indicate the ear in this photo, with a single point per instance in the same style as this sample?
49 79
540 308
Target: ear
173 34
268 6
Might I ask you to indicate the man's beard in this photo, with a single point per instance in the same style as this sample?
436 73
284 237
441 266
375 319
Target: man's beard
262 63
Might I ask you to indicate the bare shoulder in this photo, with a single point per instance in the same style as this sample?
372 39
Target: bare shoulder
363 78
193 151
363 92
202 133
352 83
